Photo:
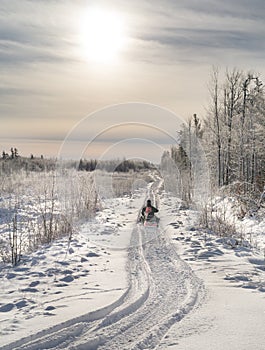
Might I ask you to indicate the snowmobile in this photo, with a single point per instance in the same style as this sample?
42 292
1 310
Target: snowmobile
151 222
149 219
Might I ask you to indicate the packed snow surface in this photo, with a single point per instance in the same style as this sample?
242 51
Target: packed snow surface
119 285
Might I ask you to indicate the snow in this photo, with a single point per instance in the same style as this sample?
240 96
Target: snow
119 285
232 313
251 226
51 285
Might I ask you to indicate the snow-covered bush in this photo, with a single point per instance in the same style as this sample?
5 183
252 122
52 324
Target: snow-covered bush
38 208
225 216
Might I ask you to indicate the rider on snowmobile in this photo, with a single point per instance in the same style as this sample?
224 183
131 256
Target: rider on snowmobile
148 211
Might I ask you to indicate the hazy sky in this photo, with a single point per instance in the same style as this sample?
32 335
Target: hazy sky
49 83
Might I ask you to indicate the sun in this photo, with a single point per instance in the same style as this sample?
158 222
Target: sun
102 35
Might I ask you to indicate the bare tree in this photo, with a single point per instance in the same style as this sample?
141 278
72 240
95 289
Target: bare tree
232 94
234 131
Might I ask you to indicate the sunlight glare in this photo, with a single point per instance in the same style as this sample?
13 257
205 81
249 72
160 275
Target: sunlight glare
102 35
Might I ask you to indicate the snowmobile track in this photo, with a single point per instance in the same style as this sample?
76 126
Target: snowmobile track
162 289
171 292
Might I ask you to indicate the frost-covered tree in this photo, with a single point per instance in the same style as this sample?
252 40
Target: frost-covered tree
188 156
4 155
234 130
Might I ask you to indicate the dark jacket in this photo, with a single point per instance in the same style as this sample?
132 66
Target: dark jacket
152 212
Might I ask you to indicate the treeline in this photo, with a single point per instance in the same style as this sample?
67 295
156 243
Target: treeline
13 162
123 166
13 154
231 137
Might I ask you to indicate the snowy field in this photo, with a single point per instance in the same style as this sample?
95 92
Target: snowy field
118 285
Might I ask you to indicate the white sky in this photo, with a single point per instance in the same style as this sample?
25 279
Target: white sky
47 84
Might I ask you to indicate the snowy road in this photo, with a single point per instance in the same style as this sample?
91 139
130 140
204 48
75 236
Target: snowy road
162 289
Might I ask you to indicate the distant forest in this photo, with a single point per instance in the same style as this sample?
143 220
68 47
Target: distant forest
123 166
13 161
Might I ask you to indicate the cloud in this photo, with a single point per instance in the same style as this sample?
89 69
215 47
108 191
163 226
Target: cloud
192 30
168 31
35 32
13 91
46 86
240 9
181 38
